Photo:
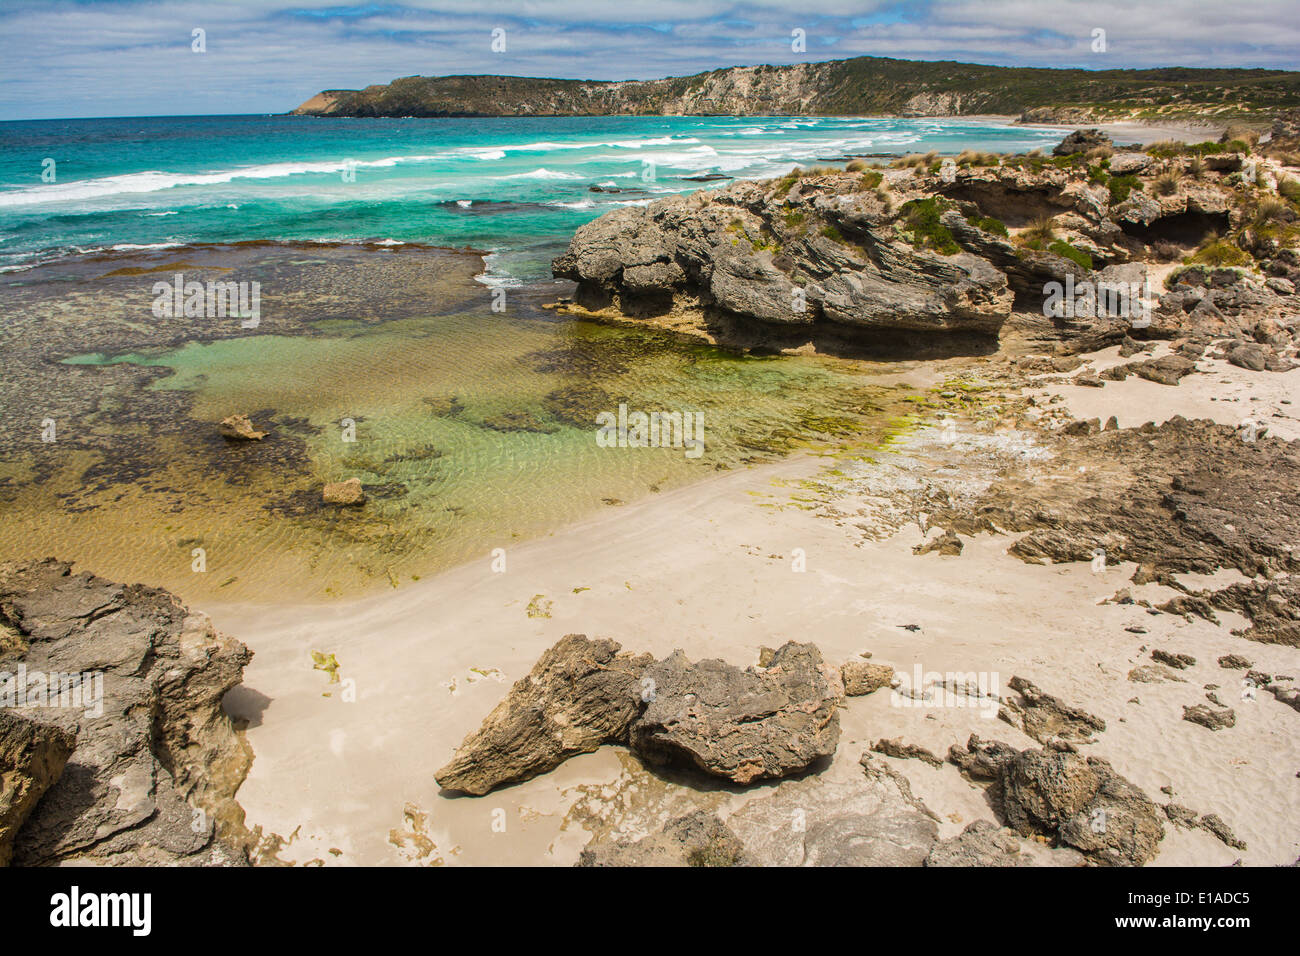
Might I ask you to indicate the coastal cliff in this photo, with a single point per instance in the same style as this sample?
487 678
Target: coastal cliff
864 85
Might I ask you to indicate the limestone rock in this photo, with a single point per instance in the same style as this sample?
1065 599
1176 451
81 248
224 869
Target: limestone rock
947 543
157 762
1080 141
863 677
697 839
873 822
32 756
580 694
343 492
239 428
744 725
1215 718
981 844
1045 717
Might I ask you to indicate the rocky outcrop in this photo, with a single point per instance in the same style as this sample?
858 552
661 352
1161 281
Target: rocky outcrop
744 725
136 680
1080 141
580 694
1047 718
788 258
1081 802
741 724
32 757
981 844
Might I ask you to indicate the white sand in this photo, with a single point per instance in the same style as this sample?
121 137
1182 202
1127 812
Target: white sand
708 568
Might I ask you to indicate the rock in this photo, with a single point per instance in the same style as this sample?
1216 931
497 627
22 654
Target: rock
32 757
861 677
1213 823
981 759
157 762
896 748
981 844
1116 373
744 725
239 428
1082 426
1286 695
1213 718
947 543
697 839
580 694
1280 285
1080 141
1089 380
1249 356
1153 674
1167 370
1235 662
1045 717
343 492
1126 163
1084 803
809 822
1179 661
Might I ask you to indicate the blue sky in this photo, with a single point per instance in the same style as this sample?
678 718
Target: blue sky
63 58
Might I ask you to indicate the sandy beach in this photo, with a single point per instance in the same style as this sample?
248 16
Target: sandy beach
708 569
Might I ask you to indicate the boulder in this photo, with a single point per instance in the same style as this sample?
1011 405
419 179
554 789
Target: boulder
1127 162
1080 141
1167 370
580 694
343 492
239 428
862 677
1083 802
744 725
157 762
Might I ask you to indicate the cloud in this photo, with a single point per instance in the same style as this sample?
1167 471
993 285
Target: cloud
133 57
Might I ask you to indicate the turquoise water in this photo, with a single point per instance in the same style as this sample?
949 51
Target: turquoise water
517 187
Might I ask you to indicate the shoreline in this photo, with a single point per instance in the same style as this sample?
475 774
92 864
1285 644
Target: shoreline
707 568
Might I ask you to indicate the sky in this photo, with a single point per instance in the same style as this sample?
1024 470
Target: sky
81 58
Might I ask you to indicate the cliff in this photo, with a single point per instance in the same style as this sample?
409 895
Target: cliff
858 86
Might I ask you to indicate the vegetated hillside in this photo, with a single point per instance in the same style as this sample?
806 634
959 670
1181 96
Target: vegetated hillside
859 86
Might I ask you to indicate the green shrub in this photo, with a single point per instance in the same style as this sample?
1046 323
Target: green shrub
1121 186
1067 251
988 224
1218 252
921 217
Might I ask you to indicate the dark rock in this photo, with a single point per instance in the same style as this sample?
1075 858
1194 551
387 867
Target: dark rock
744 725
1167 370
1179 661
1213 718
947 543
896 748
1234 662
1084 803
1080 141
580 694
1249 356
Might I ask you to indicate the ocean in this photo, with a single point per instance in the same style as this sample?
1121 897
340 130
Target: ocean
385 350
516 187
